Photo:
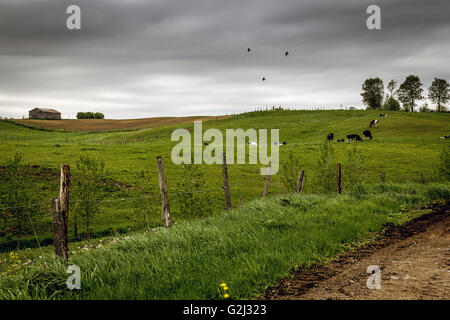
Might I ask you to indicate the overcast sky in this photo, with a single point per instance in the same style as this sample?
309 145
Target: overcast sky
136 58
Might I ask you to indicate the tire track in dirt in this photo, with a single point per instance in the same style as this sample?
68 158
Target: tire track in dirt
414 260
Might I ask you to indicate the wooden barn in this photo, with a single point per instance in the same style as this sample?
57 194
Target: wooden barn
43 113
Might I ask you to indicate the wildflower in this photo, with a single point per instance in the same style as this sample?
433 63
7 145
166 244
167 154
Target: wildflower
225 288
226 295
223 284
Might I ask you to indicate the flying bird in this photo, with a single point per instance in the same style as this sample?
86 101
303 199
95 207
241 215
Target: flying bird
249 49
264 79
287 53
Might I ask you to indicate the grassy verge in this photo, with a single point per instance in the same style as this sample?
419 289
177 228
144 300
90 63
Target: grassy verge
248 249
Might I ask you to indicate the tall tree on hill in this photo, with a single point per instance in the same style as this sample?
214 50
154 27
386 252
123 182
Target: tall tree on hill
439 93
390 102
410 91
392 85
373 92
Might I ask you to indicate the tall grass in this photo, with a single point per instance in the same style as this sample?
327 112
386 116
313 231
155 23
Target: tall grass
248 249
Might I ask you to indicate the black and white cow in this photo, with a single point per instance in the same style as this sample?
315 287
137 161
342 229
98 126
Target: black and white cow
330 137
340 140
446 137
280 143
367 134
356 137
374 123
382 115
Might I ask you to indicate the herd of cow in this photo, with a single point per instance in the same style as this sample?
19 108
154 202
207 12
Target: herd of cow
356 137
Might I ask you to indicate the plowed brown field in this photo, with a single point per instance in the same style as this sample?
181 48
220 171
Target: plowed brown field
113 125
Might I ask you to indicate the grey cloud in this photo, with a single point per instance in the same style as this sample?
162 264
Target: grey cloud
174 57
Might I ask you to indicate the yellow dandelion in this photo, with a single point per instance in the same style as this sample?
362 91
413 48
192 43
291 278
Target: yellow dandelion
225 288
226 295
223 284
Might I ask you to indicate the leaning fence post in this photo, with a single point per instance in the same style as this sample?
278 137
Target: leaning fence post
266 185
226 186
58 229
383 177
423 178
339 178
165 215
299 187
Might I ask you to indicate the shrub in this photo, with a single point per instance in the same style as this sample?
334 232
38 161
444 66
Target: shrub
326 169
191 200
289 170
442 171
355 170
86 188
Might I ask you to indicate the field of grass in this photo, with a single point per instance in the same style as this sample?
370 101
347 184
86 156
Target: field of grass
248 248
93 125
404 146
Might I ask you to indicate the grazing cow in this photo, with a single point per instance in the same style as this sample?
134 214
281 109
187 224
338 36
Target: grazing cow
382 115
367 134
340 140
280 143
374 123
446 137
330 137
251 143
356 137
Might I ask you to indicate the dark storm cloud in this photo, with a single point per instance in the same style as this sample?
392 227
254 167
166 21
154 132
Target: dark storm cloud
178 57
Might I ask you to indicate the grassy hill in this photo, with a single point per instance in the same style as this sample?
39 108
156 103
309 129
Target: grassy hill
248 248
405 145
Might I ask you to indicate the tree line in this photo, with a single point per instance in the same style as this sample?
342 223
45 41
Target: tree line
408 94
90 115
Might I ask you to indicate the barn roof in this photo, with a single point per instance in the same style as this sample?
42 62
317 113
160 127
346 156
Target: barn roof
46 110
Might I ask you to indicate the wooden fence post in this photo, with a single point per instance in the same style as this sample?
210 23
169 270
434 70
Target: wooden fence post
423 178
165 215
266 185
64 190
58 229
299 187
383 177
240 201
339 178
226 186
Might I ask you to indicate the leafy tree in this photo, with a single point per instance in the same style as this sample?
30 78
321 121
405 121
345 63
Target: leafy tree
326 169
410 91
356 165
373 92
86 188
99 115
439 93
18 200
191 200
143 195
391 104
289 170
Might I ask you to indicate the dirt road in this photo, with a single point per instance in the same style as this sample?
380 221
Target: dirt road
414 260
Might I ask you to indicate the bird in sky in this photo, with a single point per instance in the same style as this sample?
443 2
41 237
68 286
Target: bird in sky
249 49
287 53
264 79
